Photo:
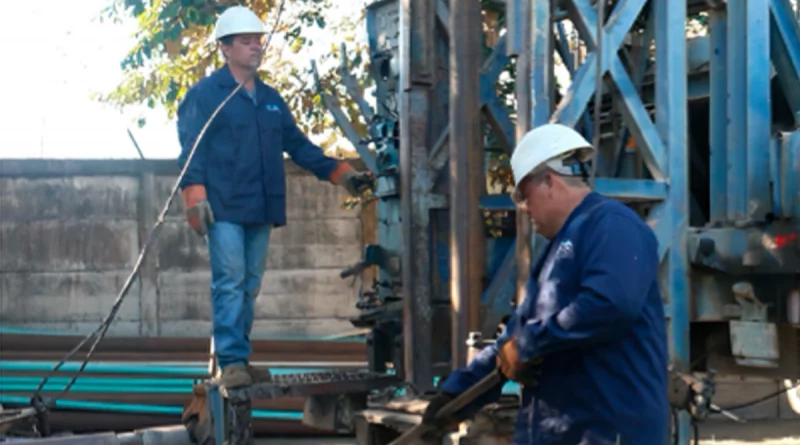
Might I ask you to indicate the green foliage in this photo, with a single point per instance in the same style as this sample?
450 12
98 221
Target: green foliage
701 18
174 49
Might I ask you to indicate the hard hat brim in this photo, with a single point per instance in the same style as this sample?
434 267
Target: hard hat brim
582 155
239 33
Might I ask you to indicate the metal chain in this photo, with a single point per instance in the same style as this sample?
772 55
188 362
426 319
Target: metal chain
101 331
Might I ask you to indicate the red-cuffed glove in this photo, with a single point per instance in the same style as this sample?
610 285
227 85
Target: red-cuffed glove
353 181
197 210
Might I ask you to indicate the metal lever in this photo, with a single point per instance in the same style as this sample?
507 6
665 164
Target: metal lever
373 256
354 269
727 414
414 434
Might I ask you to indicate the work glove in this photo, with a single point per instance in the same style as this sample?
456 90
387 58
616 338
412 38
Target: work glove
439 400
197 209
353 181
524 373
357 183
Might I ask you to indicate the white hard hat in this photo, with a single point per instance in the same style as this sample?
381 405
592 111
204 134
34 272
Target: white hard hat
238 20
552 145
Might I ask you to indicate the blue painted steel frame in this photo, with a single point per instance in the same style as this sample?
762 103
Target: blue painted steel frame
758 109
749 110
672 123
583 86
663 145
718 115
737 115
785 49
788 175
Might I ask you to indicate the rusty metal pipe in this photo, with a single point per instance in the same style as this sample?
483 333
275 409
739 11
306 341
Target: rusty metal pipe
417 68
466 176
524 119
473 392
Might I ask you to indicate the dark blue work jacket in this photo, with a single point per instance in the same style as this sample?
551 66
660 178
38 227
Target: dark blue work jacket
593 311
240 157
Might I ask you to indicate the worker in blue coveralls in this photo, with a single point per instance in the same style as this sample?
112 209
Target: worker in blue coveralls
234 190
588 344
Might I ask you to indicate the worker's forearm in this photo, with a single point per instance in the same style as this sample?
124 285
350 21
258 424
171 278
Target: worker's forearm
478 368
589 319
484 362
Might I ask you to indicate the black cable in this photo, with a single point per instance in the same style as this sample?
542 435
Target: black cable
101 331
675 431
760 399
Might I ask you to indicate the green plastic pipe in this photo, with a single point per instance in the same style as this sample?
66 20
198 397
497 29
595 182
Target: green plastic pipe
30 366
132 408
99 389
96 381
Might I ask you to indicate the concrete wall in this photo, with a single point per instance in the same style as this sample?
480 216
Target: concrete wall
71 232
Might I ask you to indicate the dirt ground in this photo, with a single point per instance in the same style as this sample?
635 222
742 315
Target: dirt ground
755 432
711 433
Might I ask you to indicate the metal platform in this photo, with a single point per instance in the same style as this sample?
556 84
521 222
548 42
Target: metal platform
331 400
309 384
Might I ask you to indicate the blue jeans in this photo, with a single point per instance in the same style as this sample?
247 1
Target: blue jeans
238 255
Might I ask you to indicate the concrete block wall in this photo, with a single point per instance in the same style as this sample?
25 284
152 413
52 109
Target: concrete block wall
71 232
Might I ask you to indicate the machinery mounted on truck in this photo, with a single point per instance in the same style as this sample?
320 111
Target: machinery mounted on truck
698 134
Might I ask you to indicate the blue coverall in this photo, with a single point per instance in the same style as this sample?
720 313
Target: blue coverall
240 163
593 312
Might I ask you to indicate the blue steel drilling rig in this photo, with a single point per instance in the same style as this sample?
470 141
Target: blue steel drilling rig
698 134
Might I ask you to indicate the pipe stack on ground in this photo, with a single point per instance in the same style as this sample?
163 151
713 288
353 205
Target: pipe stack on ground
133 383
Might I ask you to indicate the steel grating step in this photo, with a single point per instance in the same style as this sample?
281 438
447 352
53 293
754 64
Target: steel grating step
312 383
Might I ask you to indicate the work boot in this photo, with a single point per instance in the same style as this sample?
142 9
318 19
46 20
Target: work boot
259 375
234 376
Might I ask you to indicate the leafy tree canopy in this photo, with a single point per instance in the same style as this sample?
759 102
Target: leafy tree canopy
174 49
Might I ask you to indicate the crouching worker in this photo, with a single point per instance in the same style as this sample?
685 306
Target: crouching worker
234 189
588 344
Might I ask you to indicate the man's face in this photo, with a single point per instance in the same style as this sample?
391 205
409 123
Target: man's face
245 50
538 203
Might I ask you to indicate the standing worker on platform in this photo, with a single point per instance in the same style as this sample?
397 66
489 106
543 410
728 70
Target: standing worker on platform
588 344
234 191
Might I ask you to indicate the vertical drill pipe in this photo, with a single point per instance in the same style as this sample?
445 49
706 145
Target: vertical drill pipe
466 174
416 71
672 126
524 111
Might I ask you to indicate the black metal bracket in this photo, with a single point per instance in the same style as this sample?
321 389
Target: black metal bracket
42 416
374 255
